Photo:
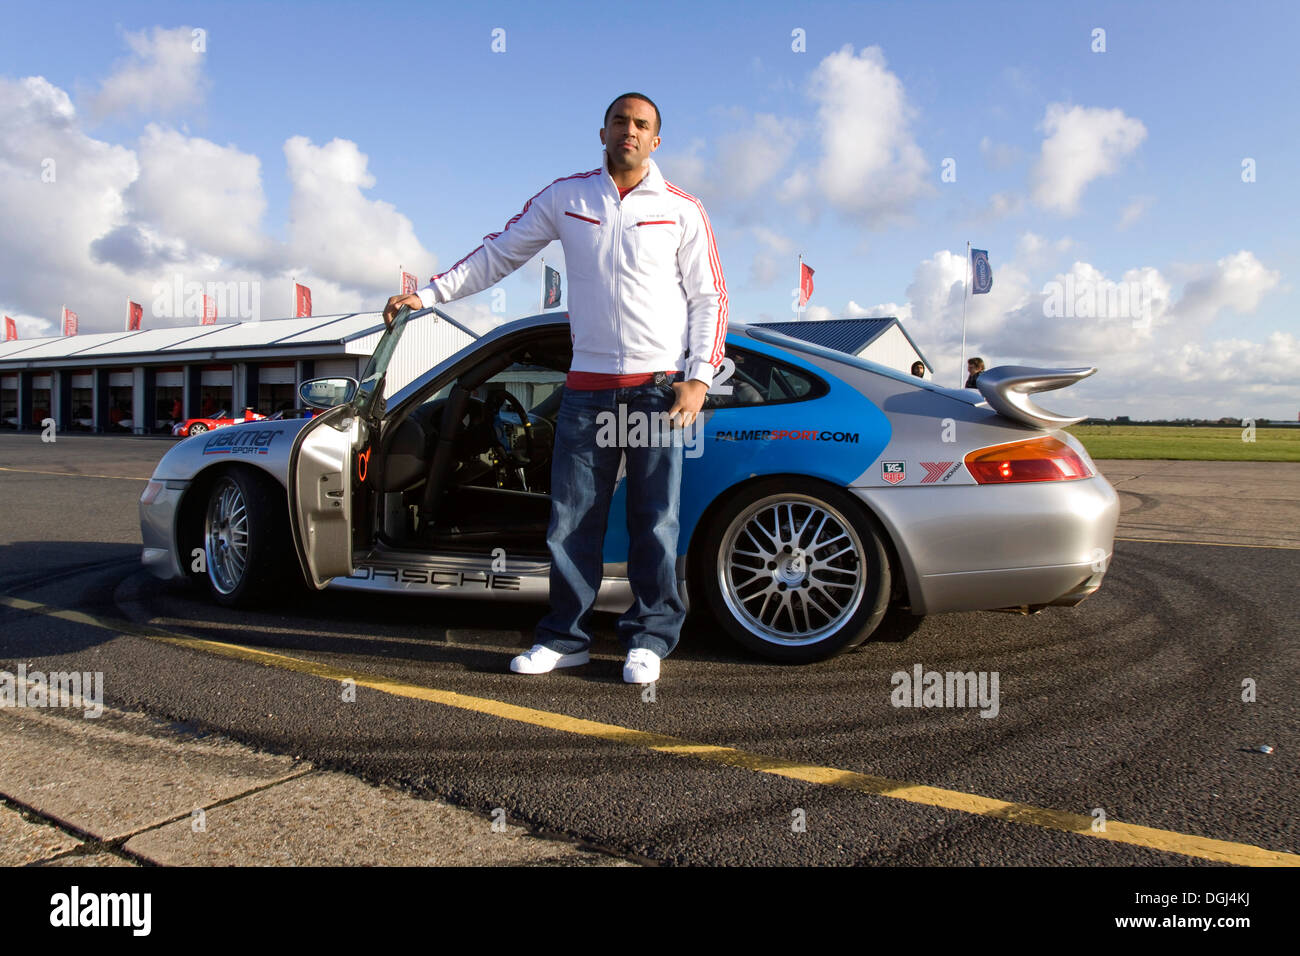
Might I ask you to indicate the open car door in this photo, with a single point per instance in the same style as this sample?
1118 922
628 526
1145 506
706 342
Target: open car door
322 467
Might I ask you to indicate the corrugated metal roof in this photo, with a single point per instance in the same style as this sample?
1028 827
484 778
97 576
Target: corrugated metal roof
21 345
60 346
314 330
843 335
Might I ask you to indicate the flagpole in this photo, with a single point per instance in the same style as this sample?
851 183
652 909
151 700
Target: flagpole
543 308
964 296
799 285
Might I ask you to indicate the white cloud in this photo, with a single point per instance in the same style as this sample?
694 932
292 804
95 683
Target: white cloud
163 73
59 189
1001 205
776 255
206 196
335 230
1034 250
999 155
1134 211
871 166
1082 143
1156 363
90 223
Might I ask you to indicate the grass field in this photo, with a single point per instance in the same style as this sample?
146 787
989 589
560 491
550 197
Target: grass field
1188 444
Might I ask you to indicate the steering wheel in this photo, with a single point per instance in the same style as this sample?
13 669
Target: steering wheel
492 407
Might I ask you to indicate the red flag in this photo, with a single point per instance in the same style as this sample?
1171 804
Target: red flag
408 284
134 313
11 329
301 301
805 284
209 311
69 321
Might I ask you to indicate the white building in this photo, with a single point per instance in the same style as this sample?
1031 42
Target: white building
141 382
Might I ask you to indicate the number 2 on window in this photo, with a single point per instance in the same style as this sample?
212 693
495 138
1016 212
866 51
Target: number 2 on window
724 373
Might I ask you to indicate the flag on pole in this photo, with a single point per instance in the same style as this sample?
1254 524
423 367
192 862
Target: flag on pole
209 311
552 296
301 301
134 314
11 329
981 272
69 321
805 284
408 283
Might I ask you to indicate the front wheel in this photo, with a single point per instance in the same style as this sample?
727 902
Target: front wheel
245 539
198 428
795 576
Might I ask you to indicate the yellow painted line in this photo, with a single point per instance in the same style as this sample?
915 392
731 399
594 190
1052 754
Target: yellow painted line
1217 544
69 474
1169 841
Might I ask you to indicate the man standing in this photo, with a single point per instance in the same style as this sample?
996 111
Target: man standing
648 318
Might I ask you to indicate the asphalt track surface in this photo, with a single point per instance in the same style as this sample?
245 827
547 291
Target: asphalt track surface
1130 703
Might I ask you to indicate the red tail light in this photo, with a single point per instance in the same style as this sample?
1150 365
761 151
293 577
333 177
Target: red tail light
1036 459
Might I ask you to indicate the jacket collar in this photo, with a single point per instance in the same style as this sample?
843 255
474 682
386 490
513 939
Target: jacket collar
653 181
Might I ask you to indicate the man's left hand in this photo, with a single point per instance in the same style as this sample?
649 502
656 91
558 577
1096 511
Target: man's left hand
690 399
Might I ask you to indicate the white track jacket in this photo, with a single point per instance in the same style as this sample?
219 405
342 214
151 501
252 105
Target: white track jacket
646 292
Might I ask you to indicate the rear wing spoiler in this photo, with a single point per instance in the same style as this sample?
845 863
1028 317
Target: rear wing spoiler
1008 388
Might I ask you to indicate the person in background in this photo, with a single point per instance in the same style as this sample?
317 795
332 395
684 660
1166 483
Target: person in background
918 369
974 366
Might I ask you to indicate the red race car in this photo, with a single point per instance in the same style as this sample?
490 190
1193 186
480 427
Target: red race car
197 426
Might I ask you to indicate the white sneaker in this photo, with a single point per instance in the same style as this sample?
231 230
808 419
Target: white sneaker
642 666
540 659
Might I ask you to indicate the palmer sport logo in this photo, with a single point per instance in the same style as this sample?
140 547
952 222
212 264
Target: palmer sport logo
784 434
241 441
893 471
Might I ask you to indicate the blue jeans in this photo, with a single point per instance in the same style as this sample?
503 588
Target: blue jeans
583 474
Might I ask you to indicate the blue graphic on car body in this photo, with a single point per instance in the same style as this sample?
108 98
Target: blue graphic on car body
754 441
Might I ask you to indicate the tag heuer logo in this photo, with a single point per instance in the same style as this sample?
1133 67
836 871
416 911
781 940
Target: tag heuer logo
893 471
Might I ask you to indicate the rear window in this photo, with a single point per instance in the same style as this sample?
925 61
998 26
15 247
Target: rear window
754 379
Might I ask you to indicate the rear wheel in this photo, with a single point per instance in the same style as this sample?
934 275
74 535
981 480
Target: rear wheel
795 576
246 542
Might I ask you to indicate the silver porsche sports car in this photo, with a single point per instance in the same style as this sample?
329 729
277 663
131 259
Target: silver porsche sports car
819 491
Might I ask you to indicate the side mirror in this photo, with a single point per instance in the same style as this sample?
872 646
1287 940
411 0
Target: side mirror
325 393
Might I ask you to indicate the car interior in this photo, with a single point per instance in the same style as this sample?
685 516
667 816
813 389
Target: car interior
468 467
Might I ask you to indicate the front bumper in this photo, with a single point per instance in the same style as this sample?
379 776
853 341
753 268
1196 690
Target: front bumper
158 527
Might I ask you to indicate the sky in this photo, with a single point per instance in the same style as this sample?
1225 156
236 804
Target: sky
1132 169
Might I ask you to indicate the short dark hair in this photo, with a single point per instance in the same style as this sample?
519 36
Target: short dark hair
635 96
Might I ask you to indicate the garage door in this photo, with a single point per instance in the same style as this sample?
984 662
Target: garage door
334 368
217 376
275 375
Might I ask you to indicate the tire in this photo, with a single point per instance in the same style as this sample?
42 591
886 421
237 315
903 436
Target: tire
247 550
198 428
759 584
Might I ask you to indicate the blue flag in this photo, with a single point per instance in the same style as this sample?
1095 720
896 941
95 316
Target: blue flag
552 296
981 270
